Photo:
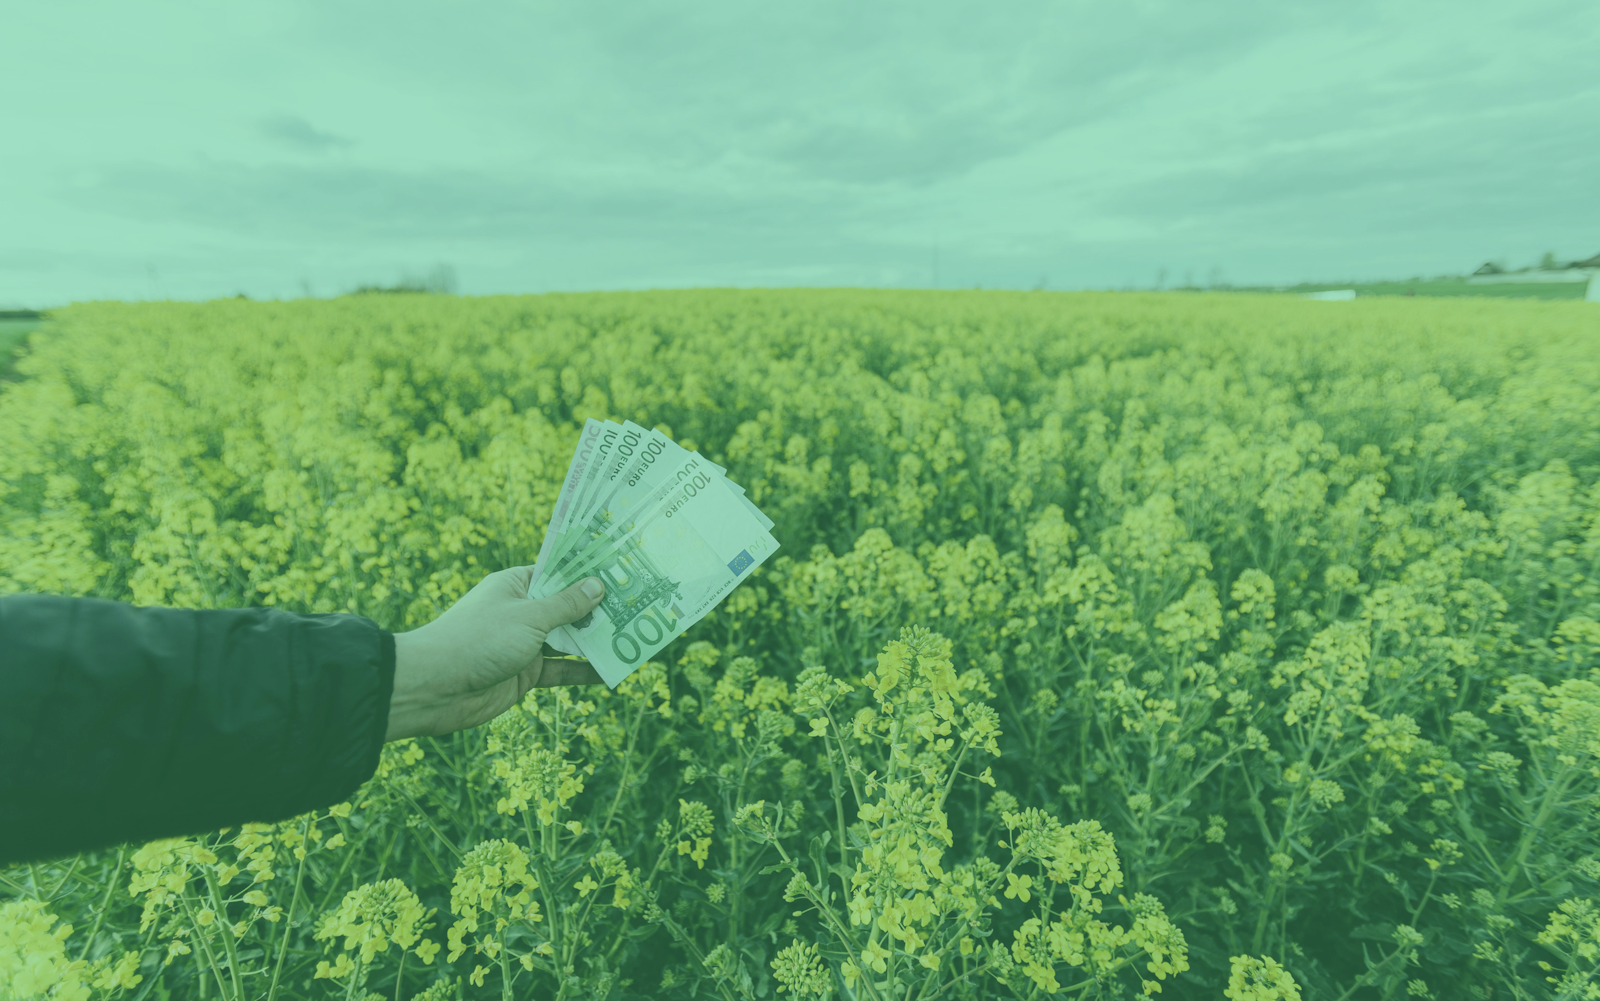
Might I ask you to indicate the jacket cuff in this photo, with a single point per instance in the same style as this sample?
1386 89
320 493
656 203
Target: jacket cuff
351 752
385 697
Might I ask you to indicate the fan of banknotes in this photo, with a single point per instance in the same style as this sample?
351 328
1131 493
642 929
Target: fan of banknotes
663 527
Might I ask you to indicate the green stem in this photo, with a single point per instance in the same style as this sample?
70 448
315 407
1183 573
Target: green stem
505 968
951 985
577 931
200 940
1362 980
288 919
699 957
105 902
21 890
832 918
627 762
545 872
847 773
1546 808
420 812
71 870
1175 802
955 770
355 978
226 933
838 809
333 884
1426 895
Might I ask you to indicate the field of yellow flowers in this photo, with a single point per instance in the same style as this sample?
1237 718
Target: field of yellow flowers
1216 646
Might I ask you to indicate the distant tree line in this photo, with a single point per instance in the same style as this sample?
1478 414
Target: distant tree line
441 280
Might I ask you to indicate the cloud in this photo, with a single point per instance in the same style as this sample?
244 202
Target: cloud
905 95
300 134
638 141
1447 174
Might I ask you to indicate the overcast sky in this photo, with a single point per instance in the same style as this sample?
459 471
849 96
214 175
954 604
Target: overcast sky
187 151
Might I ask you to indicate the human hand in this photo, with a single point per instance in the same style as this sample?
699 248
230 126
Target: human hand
481 656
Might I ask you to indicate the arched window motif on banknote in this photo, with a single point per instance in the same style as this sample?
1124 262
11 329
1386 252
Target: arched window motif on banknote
633 584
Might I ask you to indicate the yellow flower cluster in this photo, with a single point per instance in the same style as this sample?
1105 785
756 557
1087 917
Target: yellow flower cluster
694 828
530 770
924 720
1253 979
735 702
34 963
1565 717
1083 857
799 970
161 872
493 879
369 919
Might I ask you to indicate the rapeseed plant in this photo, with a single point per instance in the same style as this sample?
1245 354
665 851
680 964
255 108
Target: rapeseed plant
1257 650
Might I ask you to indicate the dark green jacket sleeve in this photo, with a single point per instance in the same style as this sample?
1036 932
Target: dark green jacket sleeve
124 724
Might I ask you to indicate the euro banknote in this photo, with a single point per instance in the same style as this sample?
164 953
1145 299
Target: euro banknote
612 467
665 530
617 465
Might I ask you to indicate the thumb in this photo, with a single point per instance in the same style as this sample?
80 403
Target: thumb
566 606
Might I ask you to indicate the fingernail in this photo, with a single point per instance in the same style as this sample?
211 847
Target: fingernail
592 587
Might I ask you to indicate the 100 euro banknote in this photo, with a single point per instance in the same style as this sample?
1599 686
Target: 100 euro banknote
625 464
614 468
668 546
